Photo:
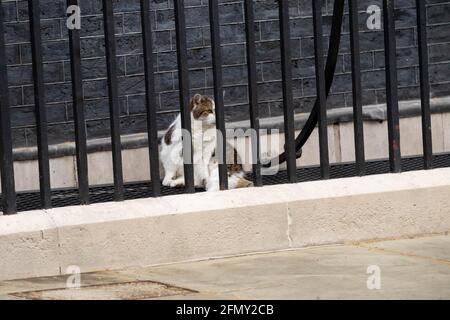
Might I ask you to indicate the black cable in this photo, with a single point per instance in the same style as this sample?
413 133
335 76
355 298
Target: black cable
330 69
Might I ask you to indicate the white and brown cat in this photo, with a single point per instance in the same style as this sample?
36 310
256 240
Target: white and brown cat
204 143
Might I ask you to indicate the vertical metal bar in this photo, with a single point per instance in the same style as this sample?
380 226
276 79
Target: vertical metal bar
152 129
78 111
253 90
39 101
288 103
320 88
6 154
183 79
356 80
218 91
391 86
114 107
424 83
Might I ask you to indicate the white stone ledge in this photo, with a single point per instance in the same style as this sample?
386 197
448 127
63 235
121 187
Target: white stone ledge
208 225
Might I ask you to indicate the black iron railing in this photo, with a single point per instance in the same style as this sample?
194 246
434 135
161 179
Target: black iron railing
325 71
78 111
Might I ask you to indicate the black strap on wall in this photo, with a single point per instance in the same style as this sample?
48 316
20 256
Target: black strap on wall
330 69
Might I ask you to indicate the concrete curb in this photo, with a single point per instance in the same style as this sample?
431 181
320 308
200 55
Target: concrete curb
202 226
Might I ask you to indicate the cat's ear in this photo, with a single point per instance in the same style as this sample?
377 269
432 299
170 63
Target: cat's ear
195 100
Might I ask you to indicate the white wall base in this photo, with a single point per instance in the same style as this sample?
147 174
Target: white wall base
341 146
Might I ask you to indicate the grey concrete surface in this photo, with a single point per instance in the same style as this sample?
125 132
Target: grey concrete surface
409 269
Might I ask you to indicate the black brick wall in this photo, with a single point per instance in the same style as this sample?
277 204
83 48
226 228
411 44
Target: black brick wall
57 71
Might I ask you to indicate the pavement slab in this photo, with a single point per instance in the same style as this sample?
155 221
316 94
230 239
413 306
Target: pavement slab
404 269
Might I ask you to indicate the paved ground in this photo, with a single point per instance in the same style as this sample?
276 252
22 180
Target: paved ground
407 269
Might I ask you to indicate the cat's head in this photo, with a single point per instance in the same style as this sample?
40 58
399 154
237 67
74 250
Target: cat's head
203 109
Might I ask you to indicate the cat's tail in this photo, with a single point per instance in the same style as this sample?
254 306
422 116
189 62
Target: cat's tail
268 161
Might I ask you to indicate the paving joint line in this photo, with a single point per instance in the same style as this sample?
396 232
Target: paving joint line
405 254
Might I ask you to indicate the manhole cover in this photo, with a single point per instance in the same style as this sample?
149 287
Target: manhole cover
118 291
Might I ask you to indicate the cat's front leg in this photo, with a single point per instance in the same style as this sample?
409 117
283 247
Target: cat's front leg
170 173
172 161
212 183
201 175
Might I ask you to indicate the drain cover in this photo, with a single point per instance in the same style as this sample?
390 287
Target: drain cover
118 291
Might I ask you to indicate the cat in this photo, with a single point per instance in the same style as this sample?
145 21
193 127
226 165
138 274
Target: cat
203 134
204 142
236 175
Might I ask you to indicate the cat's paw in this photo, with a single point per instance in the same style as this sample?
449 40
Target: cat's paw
176 184
244 183
212 188
166 182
